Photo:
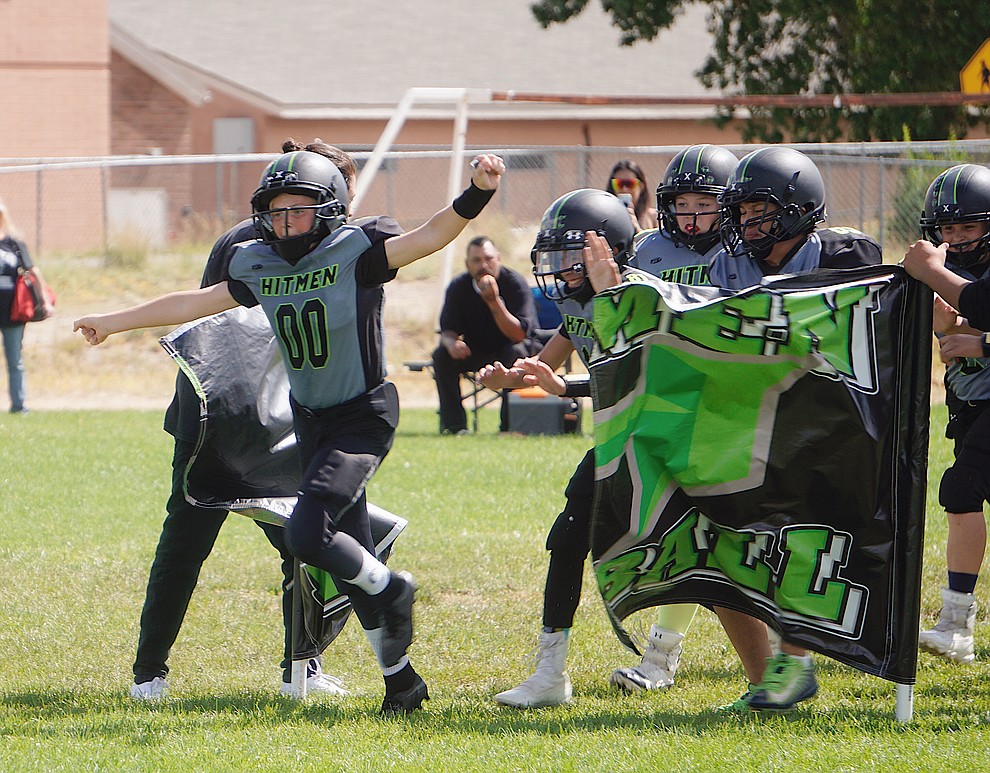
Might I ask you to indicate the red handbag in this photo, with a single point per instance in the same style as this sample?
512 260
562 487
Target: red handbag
29 299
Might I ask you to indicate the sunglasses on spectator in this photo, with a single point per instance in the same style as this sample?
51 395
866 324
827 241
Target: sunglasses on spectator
623 184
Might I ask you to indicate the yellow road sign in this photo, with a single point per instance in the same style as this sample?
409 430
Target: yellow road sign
974 78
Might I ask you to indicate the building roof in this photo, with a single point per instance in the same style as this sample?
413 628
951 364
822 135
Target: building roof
357 58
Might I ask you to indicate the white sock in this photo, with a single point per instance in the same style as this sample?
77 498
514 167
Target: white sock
373 577
375 639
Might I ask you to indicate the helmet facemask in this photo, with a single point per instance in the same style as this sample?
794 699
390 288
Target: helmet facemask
700 241
314 177
555 254
558 252
964 254
698 169
792 193
328 217
775 223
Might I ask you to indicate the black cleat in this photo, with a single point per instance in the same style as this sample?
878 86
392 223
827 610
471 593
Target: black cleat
407 701
397 621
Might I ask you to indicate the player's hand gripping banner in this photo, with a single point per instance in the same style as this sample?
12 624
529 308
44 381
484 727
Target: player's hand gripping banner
766 450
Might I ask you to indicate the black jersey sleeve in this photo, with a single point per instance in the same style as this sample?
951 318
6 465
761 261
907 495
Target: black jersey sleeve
372 269
848 248
974 303
242 293
218 264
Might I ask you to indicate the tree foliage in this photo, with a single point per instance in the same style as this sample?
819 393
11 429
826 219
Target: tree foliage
839 47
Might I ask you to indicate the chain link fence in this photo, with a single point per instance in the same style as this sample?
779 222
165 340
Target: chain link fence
112 205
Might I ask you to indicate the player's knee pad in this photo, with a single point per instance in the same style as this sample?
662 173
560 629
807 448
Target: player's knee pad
571 531
305 532
963 489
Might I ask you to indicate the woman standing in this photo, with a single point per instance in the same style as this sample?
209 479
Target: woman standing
627 181
13 259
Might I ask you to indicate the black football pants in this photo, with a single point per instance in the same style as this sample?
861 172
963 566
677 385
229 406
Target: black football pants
188 535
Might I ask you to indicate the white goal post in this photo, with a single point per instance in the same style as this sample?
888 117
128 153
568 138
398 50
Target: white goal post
460 98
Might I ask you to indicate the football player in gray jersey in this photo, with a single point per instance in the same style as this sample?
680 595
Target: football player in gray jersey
573 226
319 281
956 220
687 199
190 530
772 204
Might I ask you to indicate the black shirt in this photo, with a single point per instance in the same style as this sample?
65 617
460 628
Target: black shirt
465 312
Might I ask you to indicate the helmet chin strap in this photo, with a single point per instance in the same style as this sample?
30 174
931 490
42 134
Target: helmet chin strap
292 249
585 293
971 258
760 251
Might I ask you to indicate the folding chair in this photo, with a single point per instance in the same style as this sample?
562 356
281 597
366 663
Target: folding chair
474 396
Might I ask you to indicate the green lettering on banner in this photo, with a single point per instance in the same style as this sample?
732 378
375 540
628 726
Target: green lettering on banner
744 325
633 312
678 550
810 584
829 322
619 575
741 556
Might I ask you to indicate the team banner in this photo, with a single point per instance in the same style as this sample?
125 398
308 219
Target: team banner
766 451
233 363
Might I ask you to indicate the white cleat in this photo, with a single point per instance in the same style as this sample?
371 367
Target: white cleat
149 691
660 661
952 636
317 682
549 685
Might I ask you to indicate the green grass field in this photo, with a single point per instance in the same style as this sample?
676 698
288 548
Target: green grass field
83 497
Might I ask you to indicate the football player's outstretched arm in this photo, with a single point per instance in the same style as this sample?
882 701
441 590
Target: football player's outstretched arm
172 309
441 229
531 371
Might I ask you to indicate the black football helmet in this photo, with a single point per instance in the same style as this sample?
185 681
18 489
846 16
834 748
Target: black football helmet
308 174
697 169
775 175
559 245
959 195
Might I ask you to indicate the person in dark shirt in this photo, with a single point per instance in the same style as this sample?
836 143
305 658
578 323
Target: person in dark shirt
488 314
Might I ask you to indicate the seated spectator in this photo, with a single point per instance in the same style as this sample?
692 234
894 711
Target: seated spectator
488 315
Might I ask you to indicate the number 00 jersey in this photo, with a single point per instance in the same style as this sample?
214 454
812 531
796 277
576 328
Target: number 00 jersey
326 310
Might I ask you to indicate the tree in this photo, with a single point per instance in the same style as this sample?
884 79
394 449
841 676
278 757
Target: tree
839 47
